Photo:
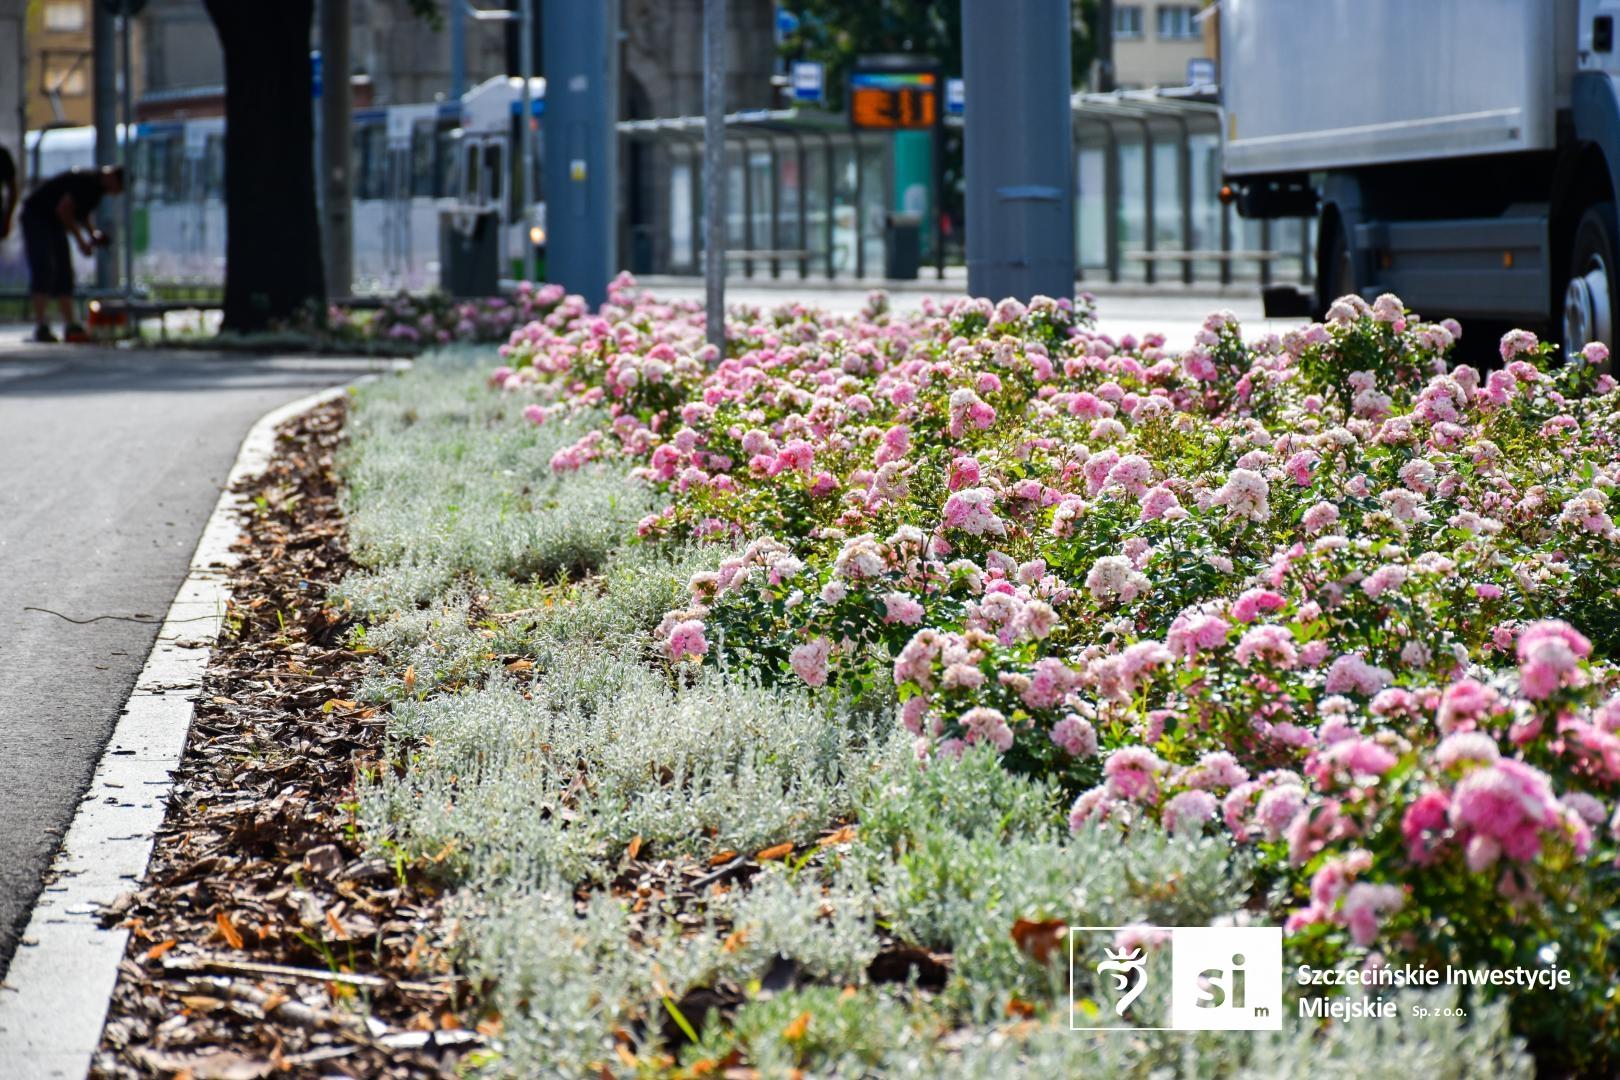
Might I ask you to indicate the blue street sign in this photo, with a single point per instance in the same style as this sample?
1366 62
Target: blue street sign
955 97
809 80
316 82
786 23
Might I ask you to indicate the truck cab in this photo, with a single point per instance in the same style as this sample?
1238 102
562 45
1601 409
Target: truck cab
1462 154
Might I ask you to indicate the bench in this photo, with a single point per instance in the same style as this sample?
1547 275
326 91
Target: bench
1265 260
775 256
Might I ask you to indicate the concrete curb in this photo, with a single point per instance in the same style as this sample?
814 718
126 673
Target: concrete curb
53 1002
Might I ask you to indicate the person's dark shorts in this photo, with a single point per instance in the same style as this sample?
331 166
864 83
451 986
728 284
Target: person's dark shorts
50 265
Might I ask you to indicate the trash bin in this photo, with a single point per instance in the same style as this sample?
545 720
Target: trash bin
469 253
902 246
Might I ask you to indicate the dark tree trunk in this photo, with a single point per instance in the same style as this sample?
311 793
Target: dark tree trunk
272 235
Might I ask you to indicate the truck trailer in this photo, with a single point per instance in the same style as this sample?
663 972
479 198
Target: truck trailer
1462 154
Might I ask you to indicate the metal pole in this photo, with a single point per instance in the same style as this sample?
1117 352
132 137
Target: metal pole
828 178
581 42
531 268
458 49
337 148
937 136
714 170
1105 47
127 199
1265 251
1020 176
1149 219
748 204
1112 198
860 205
803 165
1226 243
104 71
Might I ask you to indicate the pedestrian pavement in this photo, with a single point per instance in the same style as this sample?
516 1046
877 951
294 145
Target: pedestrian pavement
110 463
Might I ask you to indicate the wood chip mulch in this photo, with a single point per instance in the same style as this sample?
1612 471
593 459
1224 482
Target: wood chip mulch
264 941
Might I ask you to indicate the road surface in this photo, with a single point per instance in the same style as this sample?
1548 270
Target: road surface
110 463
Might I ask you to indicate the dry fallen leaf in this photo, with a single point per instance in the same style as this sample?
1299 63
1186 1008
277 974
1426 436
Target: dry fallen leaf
734 940
520 665
227 930
159 949
842 836
797 1027
1038 939
410 678
778 851
337 925
722 857
635 847
1019 1008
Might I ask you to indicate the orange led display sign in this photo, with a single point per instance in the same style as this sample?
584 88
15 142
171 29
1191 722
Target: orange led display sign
893 101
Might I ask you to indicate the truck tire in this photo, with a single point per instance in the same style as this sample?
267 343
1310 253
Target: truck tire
1590 299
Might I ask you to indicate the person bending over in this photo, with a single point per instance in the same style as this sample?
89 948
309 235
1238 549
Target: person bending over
60 208
8 191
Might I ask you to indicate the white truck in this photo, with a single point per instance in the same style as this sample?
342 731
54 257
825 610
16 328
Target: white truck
1462 154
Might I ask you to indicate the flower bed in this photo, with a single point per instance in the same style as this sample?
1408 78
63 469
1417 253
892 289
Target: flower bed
1343 609
433 319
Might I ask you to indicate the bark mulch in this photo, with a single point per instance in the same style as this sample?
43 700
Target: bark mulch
264 941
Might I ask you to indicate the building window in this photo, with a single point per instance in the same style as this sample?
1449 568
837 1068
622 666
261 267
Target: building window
1127 21
65 16
1178 22
67 81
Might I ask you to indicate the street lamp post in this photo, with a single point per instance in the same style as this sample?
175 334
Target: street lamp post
714 171
526 136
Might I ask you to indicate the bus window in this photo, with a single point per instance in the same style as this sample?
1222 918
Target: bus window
422 161
370 160
215 169
493 173
444 161
471 187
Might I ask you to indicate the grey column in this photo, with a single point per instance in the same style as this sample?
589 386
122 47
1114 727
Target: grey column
582 103
714 171
337 149
104 73
1019 148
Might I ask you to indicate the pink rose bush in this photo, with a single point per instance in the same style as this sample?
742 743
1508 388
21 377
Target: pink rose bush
435 319
1325 595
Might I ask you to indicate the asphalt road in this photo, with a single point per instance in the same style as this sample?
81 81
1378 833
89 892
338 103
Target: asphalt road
110 463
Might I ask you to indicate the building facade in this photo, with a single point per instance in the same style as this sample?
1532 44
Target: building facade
1163 43
60 74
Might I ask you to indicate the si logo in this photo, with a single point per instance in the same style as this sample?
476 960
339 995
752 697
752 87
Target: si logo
1212 995
1226 978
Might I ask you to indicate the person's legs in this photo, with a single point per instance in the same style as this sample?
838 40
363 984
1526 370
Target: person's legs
42 272
63 290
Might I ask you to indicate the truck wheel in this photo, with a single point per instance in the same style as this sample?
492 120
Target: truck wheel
1590 300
